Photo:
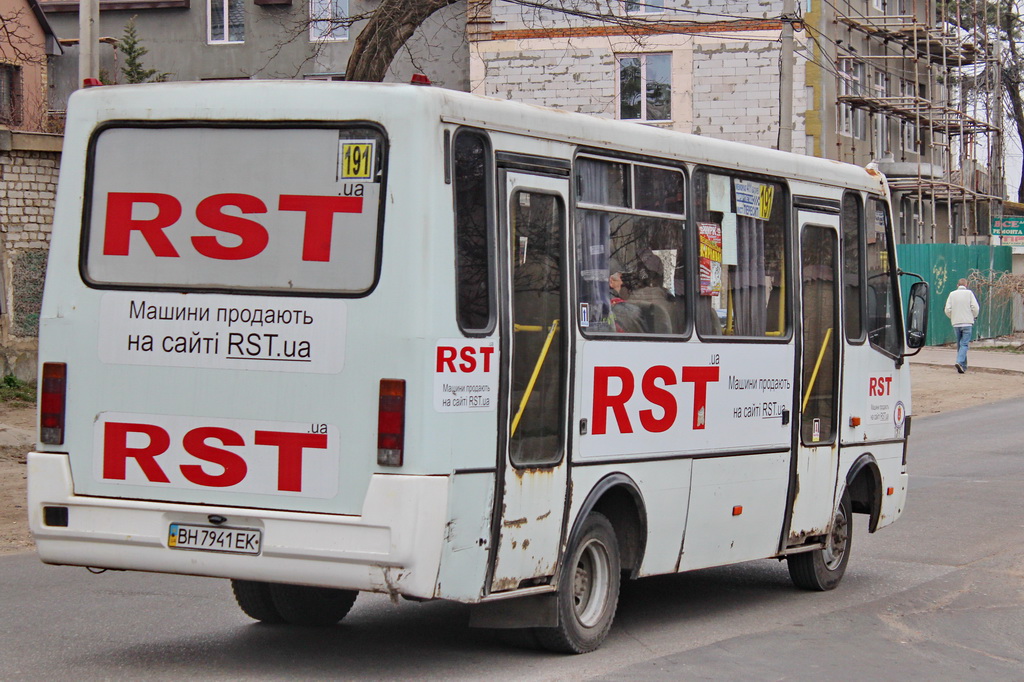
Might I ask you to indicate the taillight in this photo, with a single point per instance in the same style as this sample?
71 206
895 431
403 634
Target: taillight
52 403
391 423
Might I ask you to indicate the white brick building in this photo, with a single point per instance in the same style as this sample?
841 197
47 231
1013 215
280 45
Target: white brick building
711 72
871 82
29 164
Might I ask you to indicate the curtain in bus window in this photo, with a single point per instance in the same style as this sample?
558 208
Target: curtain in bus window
592 252
749 294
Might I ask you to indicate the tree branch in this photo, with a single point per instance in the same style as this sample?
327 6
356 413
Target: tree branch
391 26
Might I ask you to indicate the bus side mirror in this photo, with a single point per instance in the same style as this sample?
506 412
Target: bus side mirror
917 315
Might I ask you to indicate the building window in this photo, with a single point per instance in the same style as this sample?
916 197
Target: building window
10 95
852 120
645 87
644 6
908 130
882 144
227 21
327 17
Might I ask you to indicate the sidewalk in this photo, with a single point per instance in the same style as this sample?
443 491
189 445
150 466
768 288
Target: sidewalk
978 359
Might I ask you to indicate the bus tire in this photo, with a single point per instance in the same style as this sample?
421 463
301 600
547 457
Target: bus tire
588 590
320 606
255 600
822 569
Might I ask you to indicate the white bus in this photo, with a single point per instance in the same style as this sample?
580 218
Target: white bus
328 338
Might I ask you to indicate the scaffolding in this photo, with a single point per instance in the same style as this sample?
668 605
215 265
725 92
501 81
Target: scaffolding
947 170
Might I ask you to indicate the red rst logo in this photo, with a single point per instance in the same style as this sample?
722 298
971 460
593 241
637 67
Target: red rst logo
879 386
316 242
469 356
233 467
655 394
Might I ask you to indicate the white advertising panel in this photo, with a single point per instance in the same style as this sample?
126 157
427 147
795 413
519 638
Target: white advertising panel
217 331
204 453
466 375
241 208
644 398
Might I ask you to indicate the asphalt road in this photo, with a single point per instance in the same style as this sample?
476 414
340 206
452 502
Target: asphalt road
939 595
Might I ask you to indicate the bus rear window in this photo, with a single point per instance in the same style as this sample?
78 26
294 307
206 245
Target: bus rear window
267 209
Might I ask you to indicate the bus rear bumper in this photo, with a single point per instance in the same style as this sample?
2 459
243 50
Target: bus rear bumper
394 546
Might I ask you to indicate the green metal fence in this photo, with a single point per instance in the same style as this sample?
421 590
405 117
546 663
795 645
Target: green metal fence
942 265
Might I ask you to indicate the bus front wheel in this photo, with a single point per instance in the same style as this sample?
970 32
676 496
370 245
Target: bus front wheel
822 569
588 590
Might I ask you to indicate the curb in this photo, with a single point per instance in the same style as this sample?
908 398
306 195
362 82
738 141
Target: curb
971 368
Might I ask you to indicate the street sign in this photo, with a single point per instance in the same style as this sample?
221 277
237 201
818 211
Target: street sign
1008 226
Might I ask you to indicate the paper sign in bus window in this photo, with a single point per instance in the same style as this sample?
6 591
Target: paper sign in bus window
356 159
754 199
710 258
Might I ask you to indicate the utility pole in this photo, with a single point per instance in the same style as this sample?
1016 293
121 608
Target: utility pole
88 40
786 77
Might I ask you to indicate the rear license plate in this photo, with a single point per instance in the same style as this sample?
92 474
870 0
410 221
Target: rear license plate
214 538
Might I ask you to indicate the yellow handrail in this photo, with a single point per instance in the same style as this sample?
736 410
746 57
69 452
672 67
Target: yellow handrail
729 313
782 309
536 371
817 366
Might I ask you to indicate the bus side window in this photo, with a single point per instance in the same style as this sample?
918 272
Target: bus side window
852 220
474 242
883 323
741 224
631 248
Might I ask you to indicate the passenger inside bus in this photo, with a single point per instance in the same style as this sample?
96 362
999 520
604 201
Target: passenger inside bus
625 317
664 312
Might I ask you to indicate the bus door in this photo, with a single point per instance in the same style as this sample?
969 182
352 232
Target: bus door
531 499
817 400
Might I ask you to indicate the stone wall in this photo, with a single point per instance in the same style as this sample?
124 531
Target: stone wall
29 163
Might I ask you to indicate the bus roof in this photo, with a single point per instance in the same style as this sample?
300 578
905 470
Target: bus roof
278 100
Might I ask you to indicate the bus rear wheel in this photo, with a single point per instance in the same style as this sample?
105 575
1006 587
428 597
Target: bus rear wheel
255 600
302 605
588 590
822 569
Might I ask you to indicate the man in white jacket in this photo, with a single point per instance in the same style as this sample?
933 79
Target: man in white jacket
962 309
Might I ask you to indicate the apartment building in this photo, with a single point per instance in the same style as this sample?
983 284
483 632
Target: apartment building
873 80
233 39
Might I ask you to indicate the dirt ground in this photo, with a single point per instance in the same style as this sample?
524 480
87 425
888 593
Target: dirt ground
936 389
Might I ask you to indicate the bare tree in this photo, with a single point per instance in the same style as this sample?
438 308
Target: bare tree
383 32
1002 23
391 25
17 38
21 47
